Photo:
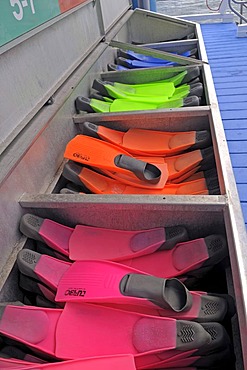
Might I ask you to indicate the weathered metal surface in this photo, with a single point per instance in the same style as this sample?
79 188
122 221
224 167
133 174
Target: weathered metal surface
32 71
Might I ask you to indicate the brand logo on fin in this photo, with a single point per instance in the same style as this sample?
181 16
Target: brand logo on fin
81 156
75 292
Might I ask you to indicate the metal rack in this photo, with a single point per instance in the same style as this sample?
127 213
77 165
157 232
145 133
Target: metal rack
68 55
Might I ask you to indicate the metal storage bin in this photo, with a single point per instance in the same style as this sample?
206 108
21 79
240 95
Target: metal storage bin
32 152
142 27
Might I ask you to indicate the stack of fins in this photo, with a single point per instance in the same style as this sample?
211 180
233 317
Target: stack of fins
128 59
139 161
182 90
105 298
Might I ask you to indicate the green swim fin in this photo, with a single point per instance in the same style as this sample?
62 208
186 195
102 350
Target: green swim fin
119 90
123 105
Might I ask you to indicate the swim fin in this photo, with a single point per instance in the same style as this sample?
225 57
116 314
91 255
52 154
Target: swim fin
105 362
222 360
156 93
75 242
132 180
107 91
181 164
125 105
205 356
7 363
182 257
179 167
105 282
200 174
193 89
187 76
37 293
163 87
43 248
150 142
120 286
99 154
190 75
100 184
135 63
36 287
42 301
85 330
205 307
116 67
130 54
97 95
188 258
123 362
181 179
13 352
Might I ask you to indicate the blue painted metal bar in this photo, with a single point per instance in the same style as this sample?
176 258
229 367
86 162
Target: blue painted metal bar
153 5
145 4
227 57
135 4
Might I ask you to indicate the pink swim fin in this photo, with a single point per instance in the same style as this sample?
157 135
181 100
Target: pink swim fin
121 362
84 330
188 258
87 242
204 356
205 307
112 284
19 356
104 282
14 364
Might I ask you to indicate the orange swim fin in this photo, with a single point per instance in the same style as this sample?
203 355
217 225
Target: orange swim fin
178 168
132 180
96 153
203 174
100 184
182 164
150 142
185 176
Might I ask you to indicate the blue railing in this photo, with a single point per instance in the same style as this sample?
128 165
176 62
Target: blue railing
242 5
